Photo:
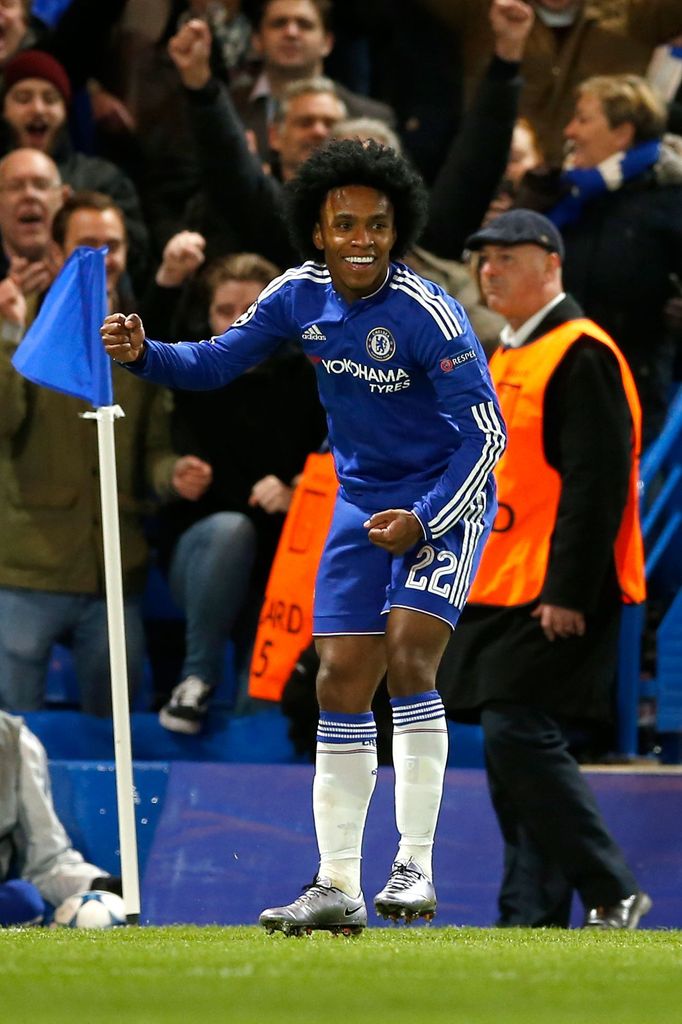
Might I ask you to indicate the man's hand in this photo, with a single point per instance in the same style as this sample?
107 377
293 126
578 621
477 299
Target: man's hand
123 337
191 477
559 622
190 51
12 303
395 530
108 110
182 256
272 494
33 275
511 22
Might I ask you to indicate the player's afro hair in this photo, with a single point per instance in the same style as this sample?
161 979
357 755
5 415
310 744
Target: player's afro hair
351 162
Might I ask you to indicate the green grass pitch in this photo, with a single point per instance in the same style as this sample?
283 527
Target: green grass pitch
396 975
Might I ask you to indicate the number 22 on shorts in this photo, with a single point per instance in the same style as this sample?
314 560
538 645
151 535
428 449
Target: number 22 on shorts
431 581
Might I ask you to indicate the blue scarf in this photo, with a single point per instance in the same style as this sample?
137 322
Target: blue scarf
586 183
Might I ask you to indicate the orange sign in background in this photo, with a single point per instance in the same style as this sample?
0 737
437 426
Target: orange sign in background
286 621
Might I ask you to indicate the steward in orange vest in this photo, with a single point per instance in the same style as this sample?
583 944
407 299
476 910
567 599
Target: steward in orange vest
567 530
515 559
537 645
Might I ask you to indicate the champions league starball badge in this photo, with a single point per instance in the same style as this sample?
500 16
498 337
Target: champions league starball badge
380 344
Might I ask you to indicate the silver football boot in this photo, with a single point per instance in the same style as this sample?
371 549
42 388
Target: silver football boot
408 894
320 907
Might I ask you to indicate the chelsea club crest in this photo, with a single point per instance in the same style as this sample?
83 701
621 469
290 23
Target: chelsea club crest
380 344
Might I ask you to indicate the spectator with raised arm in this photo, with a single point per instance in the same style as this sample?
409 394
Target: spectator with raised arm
248 198
291 40
36 98
239 195
51 555
571 40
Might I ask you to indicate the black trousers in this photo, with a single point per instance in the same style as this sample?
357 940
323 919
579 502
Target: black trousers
555 838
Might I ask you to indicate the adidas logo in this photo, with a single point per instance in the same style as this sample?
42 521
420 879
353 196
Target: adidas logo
313 334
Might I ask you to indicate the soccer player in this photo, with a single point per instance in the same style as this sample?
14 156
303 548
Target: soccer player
415 430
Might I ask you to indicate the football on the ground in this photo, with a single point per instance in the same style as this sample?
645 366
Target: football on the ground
94 909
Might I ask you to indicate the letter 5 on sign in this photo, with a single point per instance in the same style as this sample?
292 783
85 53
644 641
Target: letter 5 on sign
286 623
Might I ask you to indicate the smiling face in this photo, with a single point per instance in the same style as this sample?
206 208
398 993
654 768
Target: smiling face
356 232
36 111
591 137
30 195
97 228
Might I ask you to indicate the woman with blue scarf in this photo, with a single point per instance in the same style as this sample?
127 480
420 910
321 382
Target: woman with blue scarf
618 204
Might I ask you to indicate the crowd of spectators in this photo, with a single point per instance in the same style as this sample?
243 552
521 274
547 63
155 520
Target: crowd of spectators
168 128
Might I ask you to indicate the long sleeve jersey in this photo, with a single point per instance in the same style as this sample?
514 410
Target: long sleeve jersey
413 418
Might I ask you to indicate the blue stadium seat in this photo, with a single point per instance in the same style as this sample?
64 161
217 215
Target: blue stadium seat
61 685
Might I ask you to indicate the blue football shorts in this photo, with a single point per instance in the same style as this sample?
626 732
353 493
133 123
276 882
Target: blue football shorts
358 583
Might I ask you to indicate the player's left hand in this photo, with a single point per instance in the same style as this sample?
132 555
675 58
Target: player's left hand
395 530
559 623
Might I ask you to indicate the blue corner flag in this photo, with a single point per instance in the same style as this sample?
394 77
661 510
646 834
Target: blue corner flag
62 348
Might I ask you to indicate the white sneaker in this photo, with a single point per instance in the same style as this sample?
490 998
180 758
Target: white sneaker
186 710
407 894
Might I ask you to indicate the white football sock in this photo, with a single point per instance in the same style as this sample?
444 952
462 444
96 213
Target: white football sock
345 776
420 753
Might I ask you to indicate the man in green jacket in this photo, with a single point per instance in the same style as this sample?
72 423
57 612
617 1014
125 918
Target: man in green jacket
51 560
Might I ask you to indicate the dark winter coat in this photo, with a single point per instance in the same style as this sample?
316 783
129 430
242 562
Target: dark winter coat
501 654
620 255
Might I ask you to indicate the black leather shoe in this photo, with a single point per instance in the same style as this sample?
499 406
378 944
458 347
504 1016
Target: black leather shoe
624 914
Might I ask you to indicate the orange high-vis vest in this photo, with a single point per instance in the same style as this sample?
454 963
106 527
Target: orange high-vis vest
285 627
515 559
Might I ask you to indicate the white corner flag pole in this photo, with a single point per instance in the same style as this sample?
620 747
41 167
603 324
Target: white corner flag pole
125 795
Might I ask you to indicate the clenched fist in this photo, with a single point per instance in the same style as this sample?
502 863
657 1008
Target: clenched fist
123 337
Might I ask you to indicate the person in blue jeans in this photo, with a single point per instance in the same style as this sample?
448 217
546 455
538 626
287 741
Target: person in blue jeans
254 435
51 553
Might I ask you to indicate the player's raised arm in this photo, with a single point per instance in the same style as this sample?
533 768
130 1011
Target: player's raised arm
123 337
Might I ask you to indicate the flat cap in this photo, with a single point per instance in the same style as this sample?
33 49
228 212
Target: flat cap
518 227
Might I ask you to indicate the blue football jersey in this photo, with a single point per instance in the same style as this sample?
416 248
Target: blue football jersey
413 417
